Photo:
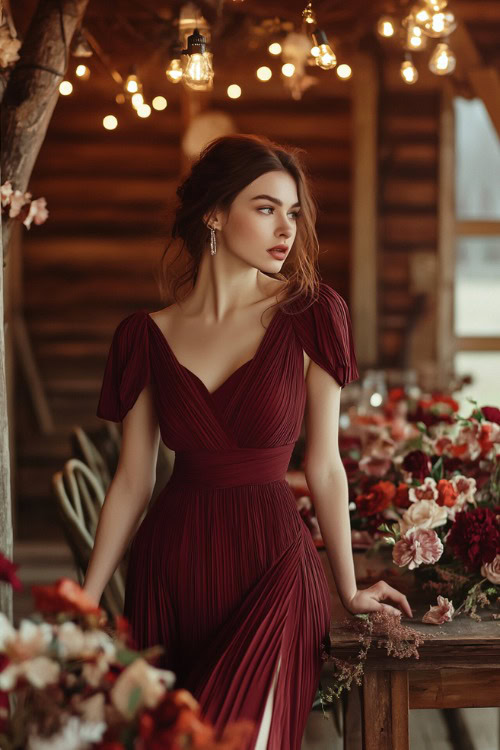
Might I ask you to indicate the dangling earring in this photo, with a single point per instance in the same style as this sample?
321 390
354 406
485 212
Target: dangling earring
213 242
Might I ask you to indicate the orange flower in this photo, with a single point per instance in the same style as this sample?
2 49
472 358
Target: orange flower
65 595
380 496
447 494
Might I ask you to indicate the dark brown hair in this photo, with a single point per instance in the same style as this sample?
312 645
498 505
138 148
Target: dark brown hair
224 168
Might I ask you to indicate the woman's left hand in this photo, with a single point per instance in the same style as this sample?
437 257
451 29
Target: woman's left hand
372 600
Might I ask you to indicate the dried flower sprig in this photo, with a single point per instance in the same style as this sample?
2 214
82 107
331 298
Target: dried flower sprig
20 205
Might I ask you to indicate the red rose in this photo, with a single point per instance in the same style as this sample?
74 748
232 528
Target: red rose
65 595
401 499
8 573
475 537
379 497
418 464
491 413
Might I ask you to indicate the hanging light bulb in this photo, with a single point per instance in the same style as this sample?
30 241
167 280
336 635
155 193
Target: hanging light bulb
326 58
264 73
82 72
132 83
408 71
385 26
440 23
137 100
288 69
110 122
438 4
314 51
275 48
198 72
174 70
415 37
308 14
65 88
421 12
443 60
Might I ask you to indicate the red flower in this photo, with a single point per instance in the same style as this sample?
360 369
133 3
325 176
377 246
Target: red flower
475 537
8 573
65 595
447 493
396 394
418 464
401 499
377 499
491 413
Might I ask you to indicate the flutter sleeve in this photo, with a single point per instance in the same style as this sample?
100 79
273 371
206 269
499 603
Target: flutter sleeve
325 333
127 369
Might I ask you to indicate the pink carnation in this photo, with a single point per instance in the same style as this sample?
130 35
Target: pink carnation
417 546
441 613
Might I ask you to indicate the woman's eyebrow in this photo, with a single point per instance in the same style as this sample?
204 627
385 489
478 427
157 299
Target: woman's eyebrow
273 200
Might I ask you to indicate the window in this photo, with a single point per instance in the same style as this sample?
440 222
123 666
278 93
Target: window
476 304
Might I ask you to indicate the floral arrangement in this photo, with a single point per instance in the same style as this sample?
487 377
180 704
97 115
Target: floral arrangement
68 681
19 205
426 480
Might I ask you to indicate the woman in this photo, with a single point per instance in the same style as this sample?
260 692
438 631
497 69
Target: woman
222 570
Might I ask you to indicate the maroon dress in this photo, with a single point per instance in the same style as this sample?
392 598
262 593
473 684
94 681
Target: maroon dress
222 570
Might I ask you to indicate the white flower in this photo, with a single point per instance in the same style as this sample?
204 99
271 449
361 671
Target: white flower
98 640
37 212
5 192
9 677
17 201
426 514
31 640
74 735
92 709
93 671
151 682
41 671
70 640
9 47
426 491
491 571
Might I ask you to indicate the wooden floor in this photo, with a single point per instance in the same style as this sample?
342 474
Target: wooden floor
44 563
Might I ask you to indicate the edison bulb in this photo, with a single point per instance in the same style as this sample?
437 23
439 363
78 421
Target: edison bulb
137 100
443 60
275 48
174 71
314 51
82 72
440 24
198 72
159 103
143 110
326 58
288 69
385 27
415 38
408 71
234 91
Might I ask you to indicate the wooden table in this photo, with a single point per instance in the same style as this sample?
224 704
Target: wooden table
459 664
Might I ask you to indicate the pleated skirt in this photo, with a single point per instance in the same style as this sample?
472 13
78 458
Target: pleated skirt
230 583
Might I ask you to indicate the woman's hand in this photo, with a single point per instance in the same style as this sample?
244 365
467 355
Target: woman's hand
372 598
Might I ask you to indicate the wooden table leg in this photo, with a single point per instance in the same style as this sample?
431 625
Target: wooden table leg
385 711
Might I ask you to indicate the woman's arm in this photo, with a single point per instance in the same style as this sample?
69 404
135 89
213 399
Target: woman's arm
327 480
128 493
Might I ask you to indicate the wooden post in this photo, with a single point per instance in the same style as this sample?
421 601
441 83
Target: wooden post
363 301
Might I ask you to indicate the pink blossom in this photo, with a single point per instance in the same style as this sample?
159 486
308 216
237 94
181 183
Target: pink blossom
440 613
37 212
491 570
417 546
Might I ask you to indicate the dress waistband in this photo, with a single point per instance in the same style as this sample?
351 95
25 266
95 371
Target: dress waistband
231 467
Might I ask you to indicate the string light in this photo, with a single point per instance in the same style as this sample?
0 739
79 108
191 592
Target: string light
132 84
65 88
275 48
408 71
326 58
385 26
234 91
159 103
82 72
143 110
443 60
344 71
439 24
308 15
288 69
174 71
136 100
198 71
314 51
264 73
110 122
415 38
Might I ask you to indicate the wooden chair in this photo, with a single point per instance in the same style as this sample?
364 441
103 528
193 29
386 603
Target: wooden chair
80 495
86 450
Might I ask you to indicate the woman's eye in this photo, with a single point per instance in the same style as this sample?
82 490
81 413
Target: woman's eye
294 214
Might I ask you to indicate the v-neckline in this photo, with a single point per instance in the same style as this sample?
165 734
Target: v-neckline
193 374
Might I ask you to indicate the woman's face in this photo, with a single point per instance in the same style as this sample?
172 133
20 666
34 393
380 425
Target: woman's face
261 217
